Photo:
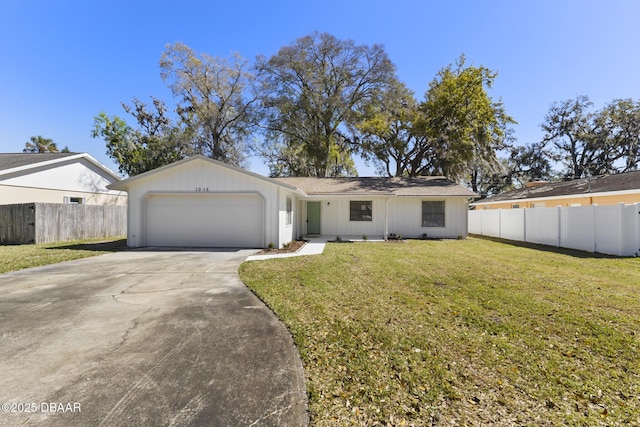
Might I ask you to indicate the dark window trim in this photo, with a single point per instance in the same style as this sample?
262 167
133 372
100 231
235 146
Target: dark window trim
74 200
289 210
357 213
435 218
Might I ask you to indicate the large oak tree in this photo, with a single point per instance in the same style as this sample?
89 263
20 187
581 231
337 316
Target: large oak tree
315 92
388 135
456 131
590 143
216 100
464 124
619 123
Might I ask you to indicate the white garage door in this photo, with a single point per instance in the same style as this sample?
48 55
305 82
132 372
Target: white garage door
205 220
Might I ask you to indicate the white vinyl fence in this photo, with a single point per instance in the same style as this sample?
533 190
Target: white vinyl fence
613 229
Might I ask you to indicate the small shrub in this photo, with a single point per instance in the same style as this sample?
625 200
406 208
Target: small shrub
270 246
338 239
424 236
365 237
394 236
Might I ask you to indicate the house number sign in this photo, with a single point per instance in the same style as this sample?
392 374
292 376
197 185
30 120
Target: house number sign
202 189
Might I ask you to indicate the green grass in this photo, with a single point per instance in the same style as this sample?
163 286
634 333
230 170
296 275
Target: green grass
18 257
469 331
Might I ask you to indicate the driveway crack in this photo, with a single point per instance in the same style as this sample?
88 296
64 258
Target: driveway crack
135 322
127 332
122 292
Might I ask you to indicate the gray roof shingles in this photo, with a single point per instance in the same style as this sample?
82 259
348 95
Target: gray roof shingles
15 160
396 186
597 184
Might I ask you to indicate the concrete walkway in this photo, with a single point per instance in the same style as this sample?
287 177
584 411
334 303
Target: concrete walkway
315 246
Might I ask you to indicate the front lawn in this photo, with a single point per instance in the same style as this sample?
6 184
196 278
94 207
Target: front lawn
472 332
17 257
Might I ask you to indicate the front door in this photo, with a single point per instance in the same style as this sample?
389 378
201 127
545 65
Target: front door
313 217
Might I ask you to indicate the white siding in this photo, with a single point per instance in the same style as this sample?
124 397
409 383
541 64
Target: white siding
52 183
342 224
404 217
77 175
287 233
334 218
200 176
14 195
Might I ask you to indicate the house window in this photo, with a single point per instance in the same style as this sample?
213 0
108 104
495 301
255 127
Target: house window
433 213
289 211
360 210
74 200
515 206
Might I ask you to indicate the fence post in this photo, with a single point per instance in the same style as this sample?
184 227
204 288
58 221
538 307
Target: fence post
595 227
621 246
500 223
637 223
559 228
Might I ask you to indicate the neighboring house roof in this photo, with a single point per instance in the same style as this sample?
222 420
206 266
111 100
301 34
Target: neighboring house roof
576 187
396 186
14 160
18 162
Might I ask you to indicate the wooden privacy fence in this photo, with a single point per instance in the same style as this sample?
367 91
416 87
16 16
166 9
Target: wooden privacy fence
612 229
50 222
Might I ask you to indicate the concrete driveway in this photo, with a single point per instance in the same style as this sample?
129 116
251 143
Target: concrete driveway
144 338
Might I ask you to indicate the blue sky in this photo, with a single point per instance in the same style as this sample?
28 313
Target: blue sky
62 62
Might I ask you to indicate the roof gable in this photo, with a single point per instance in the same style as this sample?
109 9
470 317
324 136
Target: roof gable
10 163
126 183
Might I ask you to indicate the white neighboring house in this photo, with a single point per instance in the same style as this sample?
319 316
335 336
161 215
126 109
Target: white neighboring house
57 178
200 202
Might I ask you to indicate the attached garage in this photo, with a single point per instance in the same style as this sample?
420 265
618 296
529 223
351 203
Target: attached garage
200 202
204 220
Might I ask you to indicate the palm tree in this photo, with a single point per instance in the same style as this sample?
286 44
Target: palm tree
38 144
